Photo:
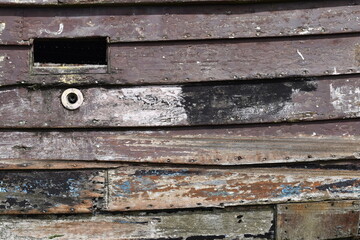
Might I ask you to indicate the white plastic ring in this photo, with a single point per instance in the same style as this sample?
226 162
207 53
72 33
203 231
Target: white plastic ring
72 98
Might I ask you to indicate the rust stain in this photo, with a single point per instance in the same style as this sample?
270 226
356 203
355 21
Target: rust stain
154 188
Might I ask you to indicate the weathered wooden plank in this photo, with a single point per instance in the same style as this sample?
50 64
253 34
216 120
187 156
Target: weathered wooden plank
120 2
222 60
42 192
199 61
154 23
323 220
335 98
283 143
229 223
28 2
11 26
161 1
236 59
167 188
30 164
14 64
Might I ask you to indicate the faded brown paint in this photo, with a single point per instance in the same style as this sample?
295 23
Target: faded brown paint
323 220
230 222
149 55
119 2
199 61
161 1
157 23
143 188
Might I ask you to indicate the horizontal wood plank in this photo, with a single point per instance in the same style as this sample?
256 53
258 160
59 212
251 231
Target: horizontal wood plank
197 61
236 59
284 143
290 101
56 164
322 220
162 1
229 223
167 188
124 2
154 23
43 192
28 2
14 64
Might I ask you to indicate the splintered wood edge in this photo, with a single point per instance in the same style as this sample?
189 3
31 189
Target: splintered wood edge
166 188
229 222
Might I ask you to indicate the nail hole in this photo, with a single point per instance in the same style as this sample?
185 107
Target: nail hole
72 98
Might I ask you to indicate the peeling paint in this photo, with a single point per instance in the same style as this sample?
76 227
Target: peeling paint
346 98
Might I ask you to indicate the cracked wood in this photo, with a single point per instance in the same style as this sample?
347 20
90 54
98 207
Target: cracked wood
229 223
233 103
197 61
264 144
45 192
157 23
322 220
141 188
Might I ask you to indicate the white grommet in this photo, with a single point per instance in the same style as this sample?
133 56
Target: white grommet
72 98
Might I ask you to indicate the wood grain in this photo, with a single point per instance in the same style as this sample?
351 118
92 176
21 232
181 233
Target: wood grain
229 223
167 23
44 192
264 102
323 220
168 188
27 2
56 164
121 2
240 145
197 61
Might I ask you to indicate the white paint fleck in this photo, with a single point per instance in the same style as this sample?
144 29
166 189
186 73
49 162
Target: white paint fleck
2 27
335 71
300 54
346 98
309 30
58 32
144 106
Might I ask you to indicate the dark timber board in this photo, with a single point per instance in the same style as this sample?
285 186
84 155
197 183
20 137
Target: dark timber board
322 220
120 2
43 192
247 102
266 144
229 223
197 61
164 23
141 188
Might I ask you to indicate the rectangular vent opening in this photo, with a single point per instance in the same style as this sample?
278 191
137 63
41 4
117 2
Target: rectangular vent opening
73 52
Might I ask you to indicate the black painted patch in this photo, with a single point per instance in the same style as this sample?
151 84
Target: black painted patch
340 186
42 190
219 104
268 235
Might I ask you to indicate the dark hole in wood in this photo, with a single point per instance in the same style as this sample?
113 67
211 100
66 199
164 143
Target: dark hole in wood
71 51
72 98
